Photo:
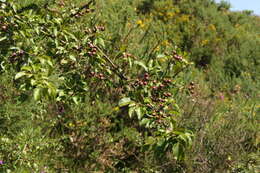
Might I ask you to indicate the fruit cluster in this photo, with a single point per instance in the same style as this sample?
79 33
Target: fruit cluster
100 76
160 94
95 29
16 55
176 56
4 27
191 88
92 49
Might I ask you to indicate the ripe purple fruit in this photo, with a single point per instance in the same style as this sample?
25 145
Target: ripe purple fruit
14 54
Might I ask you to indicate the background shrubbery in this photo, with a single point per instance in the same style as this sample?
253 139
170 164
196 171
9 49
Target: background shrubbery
128 86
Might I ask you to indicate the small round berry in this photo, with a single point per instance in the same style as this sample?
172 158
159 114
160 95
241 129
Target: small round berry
4 27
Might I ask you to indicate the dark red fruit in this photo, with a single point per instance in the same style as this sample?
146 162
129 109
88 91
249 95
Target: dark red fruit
154 87
21 52
14 54
162 85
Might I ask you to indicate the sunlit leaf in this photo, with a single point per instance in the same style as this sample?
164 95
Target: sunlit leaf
142 64
37 93
19 75
124 102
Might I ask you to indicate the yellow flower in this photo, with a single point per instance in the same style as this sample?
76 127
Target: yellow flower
212 27
116 109
165 43
204 42
140 23
184 18
229 158
170 14
71 125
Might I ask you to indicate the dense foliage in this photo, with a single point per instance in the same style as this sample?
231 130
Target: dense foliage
128 86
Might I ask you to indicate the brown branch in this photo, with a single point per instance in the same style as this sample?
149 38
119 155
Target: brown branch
86 6
114 67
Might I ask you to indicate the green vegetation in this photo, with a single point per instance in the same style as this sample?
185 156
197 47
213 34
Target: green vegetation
128 86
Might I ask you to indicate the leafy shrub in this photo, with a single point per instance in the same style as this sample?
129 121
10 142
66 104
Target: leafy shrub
105 88
65 64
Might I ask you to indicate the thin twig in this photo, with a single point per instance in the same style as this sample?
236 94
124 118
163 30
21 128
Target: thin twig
150 54
115 67
179 72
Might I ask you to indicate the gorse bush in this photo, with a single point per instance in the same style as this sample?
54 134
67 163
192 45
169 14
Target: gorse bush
110 86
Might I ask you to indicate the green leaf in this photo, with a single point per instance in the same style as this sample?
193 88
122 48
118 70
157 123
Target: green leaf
71 35
150 140
37 94
145 121
184 138
138 112
124 102
55 32
99 41
131 111
75 100
3 38
64 61
22 33
72 57
161 56
141 64
19 75
176 150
